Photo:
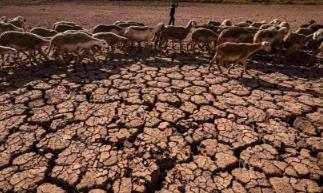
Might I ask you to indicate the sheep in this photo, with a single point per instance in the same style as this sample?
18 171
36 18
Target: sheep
6 50
18 21
203 35
284 24
75 43
237 34
210 27
64 27
275 22
294 41
283 30
257 24
23 41
8 27
77 31
125 25
133 23
64 23
111 38
275 37
214 23
108 28
308 23
320 50
4 19
43 32
226 22
304 31
237 53
267 26
316 26
318 35
175 33
243 24
140 34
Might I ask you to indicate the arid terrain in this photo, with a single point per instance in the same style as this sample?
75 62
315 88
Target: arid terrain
160 123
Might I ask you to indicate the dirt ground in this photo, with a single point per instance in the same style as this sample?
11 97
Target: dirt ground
89 15
160 123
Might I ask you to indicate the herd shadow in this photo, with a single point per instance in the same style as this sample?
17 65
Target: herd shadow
18 76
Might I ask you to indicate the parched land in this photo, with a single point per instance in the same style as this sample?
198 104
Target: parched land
160 123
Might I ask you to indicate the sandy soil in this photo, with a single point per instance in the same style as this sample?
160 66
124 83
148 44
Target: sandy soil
89 15
160 123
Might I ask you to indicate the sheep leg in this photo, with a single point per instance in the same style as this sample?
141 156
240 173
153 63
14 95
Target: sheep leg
181 46
17 58
92 55
231 66
2 59
211 63
30 54
244 63
112 50
245 66
218 64
23 53
42 54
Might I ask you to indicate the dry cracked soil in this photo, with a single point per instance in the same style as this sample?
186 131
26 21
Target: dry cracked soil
157 125
160 124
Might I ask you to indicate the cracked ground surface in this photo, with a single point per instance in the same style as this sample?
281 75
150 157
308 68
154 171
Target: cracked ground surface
160 123
156 125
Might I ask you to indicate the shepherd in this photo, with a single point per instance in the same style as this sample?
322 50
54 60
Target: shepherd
173 7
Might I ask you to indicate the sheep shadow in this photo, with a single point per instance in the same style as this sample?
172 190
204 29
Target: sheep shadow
20 75
288 68
263 84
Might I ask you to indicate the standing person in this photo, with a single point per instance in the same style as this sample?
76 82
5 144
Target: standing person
173 7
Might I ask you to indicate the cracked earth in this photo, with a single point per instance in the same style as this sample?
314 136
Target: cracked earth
156 125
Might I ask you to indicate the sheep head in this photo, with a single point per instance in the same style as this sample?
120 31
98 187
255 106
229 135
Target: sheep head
4 19
266 46
192 23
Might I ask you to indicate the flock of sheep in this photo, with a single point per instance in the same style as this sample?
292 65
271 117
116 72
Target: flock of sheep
232 43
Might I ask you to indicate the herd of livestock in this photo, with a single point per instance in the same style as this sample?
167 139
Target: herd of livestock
231 43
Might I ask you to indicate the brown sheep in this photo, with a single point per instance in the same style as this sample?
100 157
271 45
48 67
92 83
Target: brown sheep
304 31
236 53
294 41
203 35
175 33
237 34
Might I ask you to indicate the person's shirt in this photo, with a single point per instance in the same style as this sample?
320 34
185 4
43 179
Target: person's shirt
172 9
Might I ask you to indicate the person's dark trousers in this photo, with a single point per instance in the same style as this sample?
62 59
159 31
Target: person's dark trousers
172 20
